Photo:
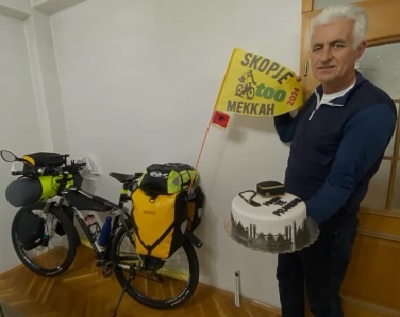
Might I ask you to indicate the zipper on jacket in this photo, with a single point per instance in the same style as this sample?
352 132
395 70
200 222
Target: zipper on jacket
316 105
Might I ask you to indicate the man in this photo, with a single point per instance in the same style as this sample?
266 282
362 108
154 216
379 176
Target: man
338 141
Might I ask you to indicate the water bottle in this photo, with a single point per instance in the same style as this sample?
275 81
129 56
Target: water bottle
105 232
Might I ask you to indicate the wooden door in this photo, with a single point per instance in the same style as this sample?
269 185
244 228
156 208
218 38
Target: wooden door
372 284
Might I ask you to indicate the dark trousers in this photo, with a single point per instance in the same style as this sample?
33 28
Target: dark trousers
321 269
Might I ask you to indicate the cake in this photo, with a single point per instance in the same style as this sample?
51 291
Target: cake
275 223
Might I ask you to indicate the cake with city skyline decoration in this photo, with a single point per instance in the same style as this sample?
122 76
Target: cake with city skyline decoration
271 220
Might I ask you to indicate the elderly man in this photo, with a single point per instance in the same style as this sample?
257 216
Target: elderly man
337 143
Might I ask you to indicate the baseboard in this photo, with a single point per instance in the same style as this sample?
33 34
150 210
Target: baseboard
269 308
245 302
355 307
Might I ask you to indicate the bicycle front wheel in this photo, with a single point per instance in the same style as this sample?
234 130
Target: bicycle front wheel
155 282
54 249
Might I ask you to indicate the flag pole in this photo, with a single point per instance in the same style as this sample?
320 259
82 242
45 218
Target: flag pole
205 136
210 122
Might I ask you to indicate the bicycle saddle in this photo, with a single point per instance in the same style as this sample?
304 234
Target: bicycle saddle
125 178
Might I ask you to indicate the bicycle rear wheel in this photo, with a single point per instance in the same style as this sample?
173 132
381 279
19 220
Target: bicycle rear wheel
55 249
157 283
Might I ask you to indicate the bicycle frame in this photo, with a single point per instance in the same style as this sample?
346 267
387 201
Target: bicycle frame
120 214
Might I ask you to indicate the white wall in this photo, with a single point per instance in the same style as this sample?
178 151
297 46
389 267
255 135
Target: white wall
19 124
46 82
139 80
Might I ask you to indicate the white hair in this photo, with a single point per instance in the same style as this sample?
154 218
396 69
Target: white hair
344 12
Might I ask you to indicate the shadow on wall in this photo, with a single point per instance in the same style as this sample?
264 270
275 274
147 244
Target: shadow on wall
208 234
241 126
239 132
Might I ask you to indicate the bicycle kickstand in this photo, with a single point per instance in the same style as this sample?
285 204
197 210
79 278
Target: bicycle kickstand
131 277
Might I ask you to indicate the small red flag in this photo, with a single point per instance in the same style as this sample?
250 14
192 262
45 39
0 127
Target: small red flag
221 119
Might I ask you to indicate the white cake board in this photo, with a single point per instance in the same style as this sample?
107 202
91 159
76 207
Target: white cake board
309 238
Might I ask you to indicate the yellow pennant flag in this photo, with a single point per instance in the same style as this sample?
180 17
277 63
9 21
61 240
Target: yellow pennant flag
258 86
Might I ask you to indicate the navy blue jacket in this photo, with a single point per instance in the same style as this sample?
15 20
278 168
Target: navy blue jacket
337 148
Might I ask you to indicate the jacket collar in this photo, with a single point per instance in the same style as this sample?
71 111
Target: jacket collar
341 101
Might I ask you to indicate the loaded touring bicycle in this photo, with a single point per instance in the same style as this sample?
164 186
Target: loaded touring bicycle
50 199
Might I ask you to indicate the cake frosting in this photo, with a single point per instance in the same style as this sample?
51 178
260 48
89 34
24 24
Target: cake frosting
274 223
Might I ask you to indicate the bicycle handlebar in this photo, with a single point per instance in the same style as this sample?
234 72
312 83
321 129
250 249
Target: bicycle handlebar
49 170
73 167
79 165
21 173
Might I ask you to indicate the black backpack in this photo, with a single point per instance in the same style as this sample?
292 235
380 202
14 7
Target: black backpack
30 230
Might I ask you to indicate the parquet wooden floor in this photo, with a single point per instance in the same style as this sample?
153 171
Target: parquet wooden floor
83 292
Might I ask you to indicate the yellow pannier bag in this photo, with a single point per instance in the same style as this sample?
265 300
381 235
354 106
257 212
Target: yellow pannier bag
159 222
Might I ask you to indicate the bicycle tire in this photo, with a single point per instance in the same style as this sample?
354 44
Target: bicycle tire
239 89
250 93
138 287
39 259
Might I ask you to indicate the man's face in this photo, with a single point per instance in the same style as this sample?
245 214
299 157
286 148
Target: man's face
332 53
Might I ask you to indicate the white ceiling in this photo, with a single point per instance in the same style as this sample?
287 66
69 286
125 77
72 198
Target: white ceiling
22 9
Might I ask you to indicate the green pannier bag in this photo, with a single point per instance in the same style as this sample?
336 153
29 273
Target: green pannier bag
169 178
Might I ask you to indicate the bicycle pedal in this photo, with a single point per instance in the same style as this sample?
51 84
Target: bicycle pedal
108 268
106 272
